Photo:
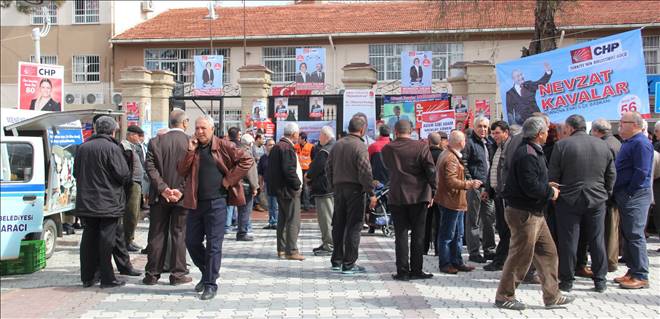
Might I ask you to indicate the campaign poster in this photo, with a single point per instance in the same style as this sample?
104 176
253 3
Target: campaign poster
208 74
316 108
40 86
132 113
416 72
459 103
312 128
259 112
657 96
437 120
360 101
482 108
596 79
310 68
281 108
394 112
291 113
267 126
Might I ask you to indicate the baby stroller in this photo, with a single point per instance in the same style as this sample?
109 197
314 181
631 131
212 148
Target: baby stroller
379 216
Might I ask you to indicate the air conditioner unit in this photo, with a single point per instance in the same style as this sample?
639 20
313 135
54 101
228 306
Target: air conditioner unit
94 98
147 6
73 98
116 98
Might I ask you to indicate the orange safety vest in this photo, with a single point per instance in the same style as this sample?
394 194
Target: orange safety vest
304 155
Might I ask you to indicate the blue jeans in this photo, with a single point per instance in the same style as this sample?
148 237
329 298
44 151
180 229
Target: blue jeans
450 234
243 219
634 211
231 210
207 221
272 210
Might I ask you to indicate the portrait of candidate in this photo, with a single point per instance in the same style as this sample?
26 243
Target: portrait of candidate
45 102
396 117
208 75
521 98
302 76
280 107
316 107
318 76
416 72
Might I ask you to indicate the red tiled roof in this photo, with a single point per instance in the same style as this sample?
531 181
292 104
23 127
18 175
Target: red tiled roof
383 17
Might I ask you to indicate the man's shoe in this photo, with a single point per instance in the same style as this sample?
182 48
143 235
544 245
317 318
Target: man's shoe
244 238
209 293
356 269
489 255
493 266
281 255
600 287
132 247
295 256
421 275
584 272
199 287
464 268
131 272
150 280
634 283
561 301
113 284
87 284
449 270
259 208
510 304
323 252
270 227
623 278
174 281
478 259
317 249
566 286
401 277
336 268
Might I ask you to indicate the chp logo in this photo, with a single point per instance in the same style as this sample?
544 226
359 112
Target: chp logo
595 51
581 55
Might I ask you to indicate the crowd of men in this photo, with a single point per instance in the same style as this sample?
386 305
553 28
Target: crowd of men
552 192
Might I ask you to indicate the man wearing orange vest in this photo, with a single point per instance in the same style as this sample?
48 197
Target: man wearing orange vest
304 152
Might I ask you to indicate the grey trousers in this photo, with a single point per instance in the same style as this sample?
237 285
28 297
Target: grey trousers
325 207
288 224
480 224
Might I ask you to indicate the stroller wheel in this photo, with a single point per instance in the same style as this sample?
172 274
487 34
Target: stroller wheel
388 230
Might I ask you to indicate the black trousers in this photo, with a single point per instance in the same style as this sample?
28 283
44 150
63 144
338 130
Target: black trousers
502 250
572 221
98 240
164 217
406 218
350 205
431 229
119 252
207 221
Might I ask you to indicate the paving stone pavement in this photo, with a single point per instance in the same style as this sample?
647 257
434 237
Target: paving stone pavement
255 284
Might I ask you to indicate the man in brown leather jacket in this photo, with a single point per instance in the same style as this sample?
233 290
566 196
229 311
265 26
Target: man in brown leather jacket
213 169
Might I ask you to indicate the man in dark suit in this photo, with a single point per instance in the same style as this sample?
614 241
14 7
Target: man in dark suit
521 98
583 167
416 72
302 76
318 76
167 213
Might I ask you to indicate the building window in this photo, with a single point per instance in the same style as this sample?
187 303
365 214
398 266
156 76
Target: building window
86 68
85 11
282 61
37 16
45 59
181 62
652 54
386 58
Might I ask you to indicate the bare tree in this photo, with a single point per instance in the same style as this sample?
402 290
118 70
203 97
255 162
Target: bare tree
28 6
545 30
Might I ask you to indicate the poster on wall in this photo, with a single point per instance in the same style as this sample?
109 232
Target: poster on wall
459 103
259 109
281 108
436 120
394 112
310 68
416 72
312 128
482 108
316 108
596 79
360 101
132 113
40 86
208 74
267 126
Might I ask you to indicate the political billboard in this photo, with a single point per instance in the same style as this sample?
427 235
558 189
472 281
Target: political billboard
40 86
360 101
208 74
310 68
596 79
416 72
311 128
437 120
316 108
281 108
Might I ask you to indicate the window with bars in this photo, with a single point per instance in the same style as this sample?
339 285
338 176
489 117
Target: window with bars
85 11
181 62
386 58
282 61
37 17
45 59
86 69
652 54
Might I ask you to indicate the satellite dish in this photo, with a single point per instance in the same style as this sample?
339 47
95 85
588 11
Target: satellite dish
116 98
91 98
69 98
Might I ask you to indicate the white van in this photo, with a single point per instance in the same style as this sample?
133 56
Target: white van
37 187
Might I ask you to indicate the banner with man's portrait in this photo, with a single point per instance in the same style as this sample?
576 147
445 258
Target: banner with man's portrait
310 68
281 108
416 72
208 74
316 108
40 86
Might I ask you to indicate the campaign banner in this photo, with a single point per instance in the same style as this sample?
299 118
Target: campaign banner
416 72
394 112
657 96
596 79
482 108
312 128
281 108
310 68
132 113
40 86
267 126
316 108
360 101
459 103
208 74
259 112
437 120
